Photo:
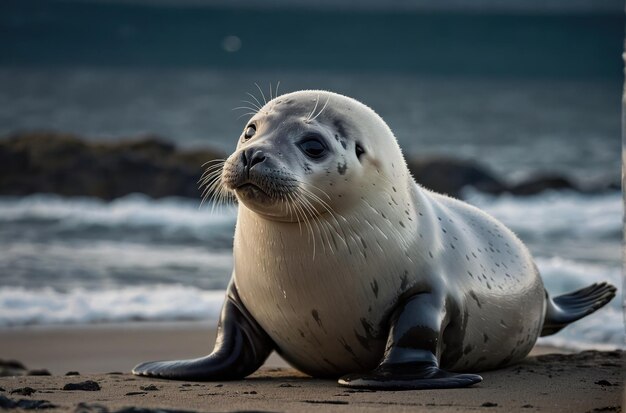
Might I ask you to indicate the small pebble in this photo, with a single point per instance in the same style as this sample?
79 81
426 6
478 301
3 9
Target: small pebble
151 387
489 404
25 404
135 393
72 373
88 385
14 364
83 407
6 403
24 391
603 383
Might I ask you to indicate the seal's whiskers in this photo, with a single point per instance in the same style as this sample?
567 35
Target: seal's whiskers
262 94
255 99
305 220
211 180
276 91
316 220
322 110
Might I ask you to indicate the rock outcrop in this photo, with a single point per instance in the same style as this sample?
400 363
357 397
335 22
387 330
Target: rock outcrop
65 164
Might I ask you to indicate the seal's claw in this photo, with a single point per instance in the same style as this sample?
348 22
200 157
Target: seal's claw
425 378
149 369
139 369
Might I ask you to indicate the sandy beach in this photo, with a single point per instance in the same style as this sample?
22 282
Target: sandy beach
548 380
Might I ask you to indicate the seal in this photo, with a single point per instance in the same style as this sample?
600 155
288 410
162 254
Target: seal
348 268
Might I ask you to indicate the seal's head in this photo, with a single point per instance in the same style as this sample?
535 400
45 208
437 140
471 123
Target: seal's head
301 153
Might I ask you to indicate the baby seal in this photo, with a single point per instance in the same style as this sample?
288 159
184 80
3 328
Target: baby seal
348 268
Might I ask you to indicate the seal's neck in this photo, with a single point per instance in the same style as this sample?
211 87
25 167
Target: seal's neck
382 219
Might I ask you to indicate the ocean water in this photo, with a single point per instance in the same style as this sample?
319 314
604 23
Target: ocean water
84 260
527 88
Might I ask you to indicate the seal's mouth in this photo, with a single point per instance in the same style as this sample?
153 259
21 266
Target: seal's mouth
249 190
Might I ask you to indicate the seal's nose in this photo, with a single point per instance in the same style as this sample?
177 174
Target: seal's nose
251 157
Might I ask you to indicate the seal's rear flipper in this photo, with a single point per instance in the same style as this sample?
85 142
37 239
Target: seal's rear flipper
567 308
241 347
410 361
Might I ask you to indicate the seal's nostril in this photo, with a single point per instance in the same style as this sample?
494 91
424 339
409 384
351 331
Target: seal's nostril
252 157
258 157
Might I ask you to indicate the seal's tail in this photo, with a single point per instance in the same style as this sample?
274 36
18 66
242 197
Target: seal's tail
567 308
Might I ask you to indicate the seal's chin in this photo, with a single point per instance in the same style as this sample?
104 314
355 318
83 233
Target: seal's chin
250 191
260 202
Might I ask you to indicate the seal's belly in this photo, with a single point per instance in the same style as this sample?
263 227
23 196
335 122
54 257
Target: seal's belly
323 321
326 313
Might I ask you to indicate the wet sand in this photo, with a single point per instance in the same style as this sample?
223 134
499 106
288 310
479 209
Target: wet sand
576 382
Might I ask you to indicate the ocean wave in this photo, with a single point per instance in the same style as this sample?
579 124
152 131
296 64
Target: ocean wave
121 254
119 278
20 306
130 211
562 275
63 265
555 213
546 214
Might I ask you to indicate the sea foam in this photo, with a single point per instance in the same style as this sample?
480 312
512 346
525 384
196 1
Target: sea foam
19 306
133 211
555 214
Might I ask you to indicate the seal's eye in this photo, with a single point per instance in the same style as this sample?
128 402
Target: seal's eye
313 148
250 131
358 149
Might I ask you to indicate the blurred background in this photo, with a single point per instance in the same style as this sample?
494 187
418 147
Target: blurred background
108 108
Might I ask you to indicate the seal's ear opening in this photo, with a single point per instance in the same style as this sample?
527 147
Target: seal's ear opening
358 149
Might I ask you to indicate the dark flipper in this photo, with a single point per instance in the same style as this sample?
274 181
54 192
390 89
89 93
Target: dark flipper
567 308
413 348
241 347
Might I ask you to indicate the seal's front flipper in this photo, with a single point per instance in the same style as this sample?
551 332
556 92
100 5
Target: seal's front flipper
413 348
241 347
409 376
567 308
